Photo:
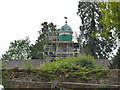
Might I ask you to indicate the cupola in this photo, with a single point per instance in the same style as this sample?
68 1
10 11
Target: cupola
65 33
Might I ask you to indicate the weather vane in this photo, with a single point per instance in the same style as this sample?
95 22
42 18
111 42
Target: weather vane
66 19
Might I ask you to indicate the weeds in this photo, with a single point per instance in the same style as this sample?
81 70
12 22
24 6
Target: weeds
27 65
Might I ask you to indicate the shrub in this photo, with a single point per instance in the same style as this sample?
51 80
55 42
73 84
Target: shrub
27 65
71 63
85 61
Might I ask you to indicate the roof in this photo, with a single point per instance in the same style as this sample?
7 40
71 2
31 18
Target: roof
65 28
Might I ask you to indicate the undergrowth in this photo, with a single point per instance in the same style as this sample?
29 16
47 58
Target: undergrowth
73 68
72 63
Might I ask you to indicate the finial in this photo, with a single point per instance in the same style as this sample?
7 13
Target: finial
66 19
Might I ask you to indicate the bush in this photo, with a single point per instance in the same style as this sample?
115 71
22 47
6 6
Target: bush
71 63
85 61
27 65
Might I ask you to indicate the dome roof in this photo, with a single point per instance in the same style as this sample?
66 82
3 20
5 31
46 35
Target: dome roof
65 28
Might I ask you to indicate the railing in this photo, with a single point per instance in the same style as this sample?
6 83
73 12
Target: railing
54 84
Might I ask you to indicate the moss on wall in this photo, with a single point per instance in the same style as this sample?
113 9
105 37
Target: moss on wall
109 77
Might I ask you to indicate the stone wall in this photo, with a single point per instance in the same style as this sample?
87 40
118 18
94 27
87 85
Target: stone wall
37 62
103 62
39 79
20 63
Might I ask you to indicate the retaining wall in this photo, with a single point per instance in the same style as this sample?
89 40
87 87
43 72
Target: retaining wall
41 79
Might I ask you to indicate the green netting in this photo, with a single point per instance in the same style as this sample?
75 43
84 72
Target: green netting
65 37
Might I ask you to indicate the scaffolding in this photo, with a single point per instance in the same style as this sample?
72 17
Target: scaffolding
54 48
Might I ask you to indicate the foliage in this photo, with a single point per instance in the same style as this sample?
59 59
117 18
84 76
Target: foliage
87 75
19 49
110 19
90 15
71 63
102 86
47 30
73 67
27 65
4 74
77 76
115 61
4 77
81 75
4 65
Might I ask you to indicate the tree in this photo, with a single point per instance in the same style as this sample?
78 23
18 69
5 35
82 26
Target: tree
19 49
90 15
47 30
110 19
115 61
